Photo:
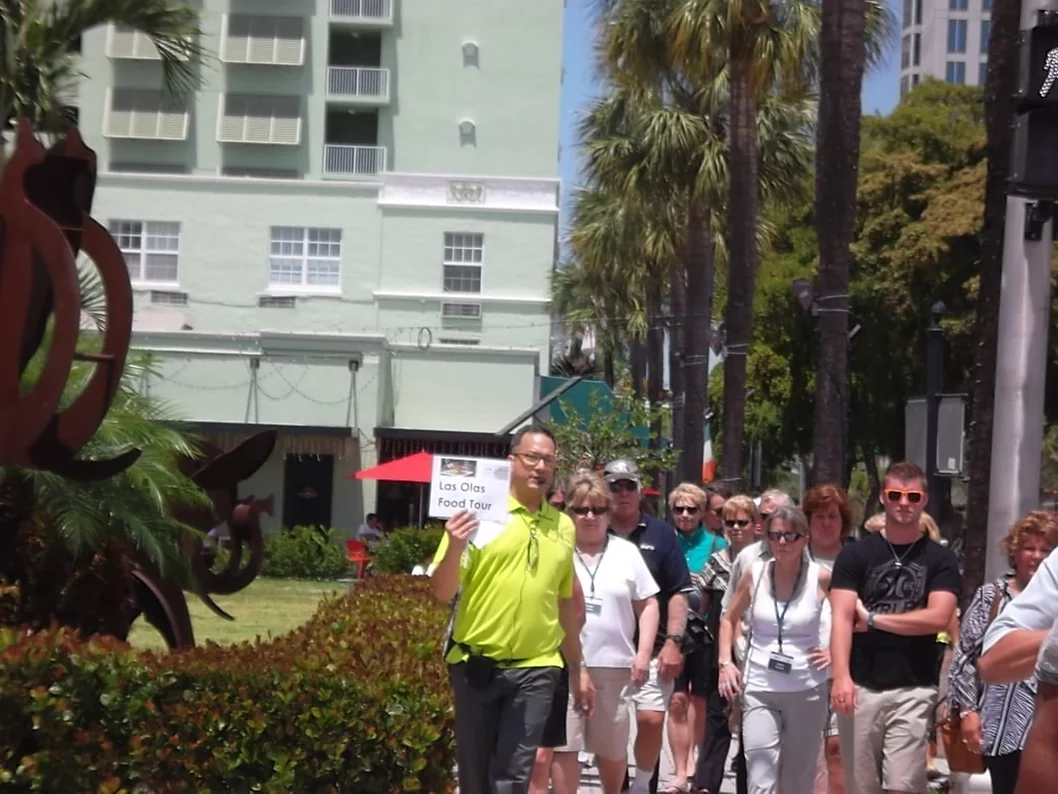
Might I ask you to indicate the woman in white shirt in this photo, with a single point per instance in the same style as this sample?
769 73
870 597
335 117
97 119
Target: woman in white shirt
619 602
784 681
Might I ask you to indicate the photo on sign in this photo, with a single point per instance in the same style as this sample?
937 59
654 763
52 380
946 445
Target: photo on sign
458 467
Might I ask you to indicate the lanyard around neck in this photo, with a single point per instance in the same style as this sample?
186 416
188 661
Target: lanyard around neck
591 572
780 617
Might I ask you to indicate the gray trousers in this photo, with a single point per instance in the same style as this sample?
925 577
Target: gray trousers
782 733
499 727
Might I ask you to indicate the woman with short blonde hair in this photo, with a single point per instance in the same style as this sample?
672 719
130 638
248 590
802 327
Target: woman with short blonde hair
690 491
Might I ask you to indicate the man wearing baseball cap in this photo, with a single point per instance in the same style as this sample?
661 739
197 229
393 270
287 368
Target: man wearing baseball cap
661 550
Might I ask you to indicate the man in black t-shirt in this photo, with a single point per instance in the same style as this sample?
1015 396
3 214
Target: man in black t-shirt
891 594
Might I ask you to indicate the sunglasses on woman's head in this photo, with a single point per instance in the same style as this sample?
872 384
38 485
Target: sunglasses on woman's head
683 510
789 537
741 523
589 509
894 495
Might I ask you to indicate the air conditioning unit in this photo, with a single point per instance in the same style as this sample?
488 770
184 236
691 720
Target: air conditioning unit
461 311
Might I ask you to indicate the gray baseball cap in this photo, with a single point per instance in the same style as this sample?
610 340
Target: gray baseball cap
622 469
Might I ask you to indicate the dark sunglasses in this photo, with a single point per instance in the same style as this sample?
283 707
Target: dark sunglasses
789 537
623 485
741 523
589 509
913 497
683 510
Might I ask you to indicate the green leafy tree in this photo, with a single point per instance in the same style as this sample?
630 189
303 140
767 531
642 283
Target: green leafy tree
611 428
40 39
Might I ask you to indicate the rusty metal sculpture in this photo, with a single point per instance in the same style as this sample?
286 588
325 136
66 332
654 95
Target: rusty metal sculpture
45 222
218 473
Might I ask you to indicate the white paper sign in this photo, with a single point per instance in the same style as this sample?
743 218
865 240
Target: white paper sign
479 485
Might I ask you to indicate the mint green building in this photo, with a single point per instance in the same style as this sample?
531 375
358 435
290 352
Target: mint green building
347 232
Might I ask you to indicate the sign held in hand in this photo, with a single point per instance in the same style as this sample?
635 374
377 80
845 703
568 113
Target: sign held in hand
479 485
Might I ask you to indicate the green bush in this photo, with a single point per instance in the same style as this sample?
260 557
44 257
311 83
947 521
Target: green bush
356 700
405 549
304 553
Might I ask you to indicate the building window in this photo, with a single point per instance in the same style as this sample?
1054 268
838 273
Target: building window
908 6
302 257
462 261
151 249
956 35
958 5
982 74
264 39
904 83
986 32
905 52
260 118
918 12
916 50
955 72
986 5
914 80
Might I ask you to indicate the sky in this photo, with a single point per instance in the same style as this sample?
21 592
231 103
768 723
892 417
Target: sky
881 88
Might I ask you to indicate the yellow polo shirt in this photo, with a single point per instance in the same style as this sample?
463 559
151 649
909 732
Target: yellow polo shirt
510 587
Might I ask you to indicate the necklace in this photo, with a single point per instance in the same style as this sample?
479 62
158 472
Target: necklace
898 559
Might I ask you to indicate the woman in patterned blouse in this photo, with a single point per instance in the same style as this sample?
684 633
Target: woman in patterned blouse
996 718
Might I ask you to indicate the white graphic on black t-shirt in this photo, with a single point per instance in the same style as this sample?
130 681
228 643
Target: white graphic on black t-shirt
893 590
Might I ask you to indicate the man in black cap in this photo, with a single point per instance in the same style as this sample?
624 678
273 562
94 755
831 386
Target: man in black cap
661 550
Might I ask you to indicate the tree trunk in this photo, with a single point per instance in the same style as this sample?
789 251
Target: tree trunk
655 355
1002 80
677 348
637 361
699 259
842 60
742 231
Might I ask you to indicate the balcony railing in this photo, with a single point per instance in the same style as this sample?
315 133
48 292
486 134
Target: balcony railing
343 160
378 12
358 83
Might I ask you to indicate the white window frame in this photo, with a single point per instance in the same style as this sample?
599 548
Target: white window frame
226 57
303 286
162 229
451 242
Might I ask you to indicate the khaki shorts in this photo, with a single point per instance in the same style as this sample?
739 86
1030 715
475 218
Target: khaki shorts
606 732
883 745
654 695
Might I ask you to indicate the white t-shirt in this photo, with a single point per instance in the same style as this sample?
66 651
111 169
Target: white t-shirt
611 582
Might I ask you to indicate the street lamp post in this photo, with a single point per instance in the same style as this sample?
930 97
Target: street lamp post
934 386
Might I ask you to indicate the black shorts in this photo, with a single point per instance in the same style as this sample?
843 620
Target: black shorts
555 729
695 678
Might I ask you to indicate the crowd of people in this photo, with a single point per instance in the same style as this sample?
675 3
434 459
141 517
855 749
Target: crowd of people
748 624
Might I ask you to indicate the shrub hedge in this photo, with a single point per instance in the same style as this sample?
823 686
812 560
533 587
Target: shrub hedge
405 548
356 700
304 553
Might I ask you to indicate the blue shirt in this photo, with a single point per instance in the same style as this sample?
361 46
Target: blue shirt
699 546
661 552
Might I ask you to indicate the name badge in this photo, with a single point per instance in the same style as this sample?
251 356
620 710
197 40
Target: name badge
780 663
593 606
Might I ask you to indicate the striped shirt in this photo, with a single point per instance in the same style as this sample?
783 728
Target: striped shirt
1006 709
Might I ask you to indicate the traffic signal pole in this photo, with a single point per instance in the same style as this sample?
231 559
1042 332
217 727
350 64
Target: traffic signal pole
1025 298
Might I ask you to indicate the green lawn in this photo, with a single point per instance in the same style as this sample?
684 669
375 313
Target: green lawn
267 608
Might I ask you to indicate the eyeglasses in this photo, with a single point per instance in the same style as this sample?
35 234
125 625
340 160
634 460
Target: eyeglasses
789 537
731 523
623 485
684 510
533 459
589 509
895 494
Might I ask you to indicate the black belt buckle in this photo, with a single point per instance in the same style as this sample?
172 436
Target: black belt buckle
479 671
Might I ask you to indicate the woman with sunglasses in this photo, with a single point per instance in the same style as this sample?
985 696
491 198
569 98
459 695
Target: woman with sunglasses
620 601
783 687
739 518
689 505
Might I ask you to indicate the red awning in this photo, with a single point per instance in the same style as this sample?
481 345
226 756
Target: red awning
413 468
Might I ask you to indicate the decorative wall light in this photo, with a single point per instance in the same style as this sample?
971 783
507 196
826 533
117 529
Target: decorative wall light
470 53
467 133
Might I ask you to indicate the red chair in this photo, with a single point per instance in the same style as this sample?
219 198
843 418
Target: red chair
356 553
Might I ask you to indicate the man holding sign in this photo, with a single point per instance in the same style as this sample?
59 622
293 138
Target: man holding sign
516 611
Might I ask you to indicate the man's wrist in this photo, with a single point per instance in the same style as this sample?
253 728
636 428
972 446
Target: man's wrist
871 620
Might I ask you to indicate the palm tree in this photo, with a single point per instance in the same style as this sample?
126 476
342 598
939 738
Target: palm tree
40 39
845 48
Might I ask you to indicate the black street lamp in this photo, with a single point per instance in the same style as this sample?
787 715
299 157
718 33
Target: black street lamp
934 386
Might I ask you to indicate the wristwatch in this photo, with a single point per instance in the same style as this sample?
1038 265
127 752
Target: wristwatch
870 621
676 638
